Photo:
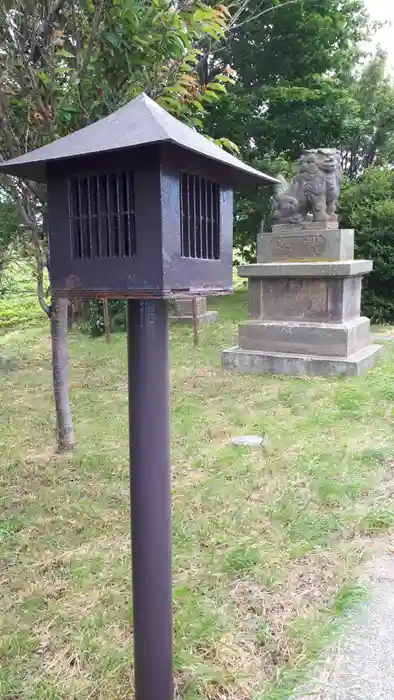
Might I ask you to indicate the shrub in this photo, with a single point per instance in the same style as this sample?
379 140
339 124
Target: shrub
367 205
95 322
18 299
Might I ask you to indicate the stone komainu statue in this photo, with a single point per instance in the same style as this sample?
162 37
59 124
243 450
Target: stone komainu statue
313 191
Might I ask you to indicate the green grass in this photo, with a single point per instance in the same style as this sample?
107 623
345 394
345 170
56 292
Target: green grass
266 544
18 299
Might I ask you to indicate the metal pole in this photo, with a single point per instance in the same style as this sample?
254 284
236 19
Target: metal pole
149 422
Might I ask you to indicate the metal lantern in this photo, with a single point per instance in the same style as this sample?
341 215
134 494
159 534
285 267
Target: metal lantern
140 207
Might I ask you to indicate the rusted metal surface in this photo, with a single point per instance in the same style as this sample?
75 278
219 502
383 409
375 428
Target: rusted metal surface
140 294
149 424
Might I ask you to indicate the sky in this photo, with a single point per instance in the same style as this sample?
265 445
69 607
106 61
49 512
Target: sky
384 10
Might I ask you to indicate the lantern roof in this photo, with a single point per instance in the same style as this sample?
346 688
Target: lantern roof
141 122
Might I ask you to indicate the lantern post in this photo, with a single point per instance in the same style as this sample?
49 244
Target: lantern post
140 208
150 477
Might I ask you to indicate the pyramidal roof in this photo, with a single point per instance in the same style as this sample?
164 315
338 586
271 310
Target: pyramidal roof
140 122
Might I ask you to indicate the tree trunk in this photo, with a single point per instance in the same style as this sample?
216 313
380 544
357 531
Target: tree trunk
70 316
195 320
107 323
64 424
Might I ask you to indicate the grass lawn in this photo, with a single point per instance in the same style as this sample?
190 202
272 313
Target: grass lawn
266 544
18 297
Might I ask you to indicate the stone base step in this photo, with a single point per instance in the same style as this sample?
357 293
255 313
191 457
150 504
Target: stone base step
206 317
256 362
305 337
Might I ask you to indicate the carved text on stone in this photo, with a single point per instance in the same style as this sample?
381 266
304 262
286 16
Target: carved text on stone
295 299
308 296
298 247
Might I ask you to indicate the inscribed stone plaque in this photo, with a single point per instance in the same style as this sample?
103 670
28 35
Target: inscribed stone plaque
295 299
291 245
298 247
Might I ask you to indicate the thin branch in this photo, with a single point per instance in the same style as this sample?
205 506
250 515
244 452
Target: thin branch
46 27
7 133
56 5
93 34
35 89
239 12
252 18
40 290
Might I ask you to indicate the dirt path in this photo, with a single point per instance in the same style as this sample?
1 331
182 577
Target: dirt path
361 664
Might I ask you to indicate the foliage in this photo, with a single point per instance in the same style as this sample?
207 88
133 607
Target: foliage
18 298
368 138
66 63
21 311
11 232
365 137
255 212
95 323
367 205
266 544
293 64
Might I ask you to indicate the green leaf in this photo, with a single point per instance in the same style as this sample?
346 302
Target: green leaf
63 69
229 145
64 53
113 39
70 108
44 77
196 122
223 78
214 33
170 103
209 95
216 87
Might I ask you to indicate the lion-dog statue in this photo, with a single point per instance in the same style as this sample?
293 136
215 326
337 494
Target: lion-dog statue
313 192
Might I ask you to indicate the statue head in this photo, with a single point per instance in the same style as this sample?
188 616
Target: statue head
328 159
325 159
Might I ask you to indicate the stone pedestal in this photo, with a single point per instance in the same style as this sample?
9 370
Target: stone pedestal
304 298
184 311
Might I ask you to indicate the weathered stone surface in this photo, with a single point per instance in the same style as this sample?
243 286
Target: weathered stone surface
304 316
184 307
249 440
331 300
255 300
295 245
313 191
305 226
184 311
255 362
306 269
208 317
338 340
295 299
350 297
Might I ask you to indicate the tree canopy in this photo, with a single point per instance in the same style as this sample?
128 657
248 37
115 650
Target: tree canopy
66 63
292 63
367 205
300 83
